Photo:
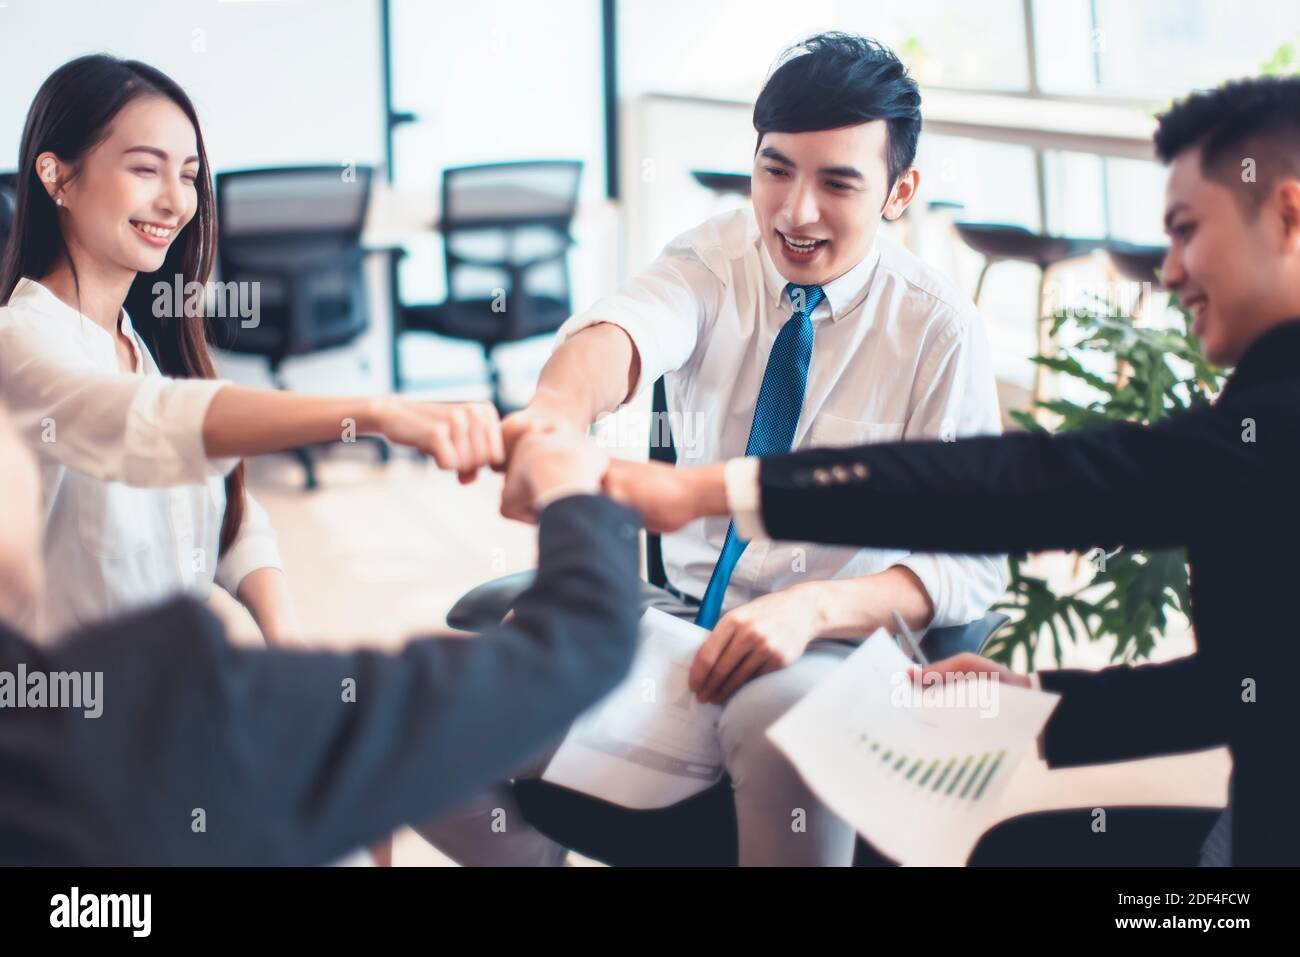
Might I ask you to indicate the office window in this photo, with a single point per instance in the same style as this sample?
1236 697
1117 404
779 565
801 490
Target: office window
272 85
732 44
1155 48
491 82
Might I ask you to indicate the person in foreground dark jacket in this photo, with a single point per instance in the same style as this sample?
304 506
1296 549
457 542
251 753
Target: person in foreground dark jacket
207 753
1219 480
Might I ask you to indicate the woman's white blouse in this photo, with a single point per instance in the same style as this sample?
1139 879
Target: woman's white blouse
133 505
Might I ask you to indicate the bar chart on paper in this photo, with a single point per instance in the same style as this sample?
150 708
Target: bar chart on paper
918 780
965 777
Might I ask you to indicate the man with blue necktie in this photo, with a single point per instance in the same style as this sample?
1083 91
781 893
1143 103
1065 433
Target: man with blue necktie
786 326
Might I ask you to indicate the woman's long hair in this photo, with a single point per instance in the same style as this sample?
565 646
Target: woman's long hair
70 116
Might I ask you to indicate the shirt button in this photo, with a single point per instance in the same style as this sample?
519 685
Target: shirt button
821 476
841 473
860 470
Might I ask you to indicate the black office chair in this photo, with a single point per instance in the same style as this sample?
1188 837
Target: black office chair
700 830
506 238
296 232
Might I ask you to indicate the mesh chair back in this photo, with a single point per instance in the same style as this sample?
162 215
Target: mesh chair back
296 231
509 214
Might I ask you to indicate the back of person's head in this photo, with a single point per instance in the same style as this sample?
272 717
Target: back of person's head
1247 132
833 80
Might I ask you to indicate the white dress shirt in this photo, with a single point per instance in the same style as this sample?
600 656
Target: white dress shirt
898 353
133 505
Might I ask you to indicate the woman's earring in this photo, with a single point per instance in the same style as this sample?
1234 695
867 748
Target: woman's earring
59 201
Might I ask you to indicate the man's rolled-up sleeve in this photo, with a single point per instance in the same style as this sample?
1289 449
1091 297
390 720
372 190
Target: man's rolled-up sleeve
661 310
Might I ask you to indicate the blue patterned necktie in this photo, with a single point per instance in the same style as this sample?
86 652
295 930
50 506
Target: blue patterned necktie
776 415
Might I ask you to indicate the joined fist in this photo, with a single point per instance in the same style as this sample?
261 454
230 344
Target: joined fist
462 437
542 451
548 464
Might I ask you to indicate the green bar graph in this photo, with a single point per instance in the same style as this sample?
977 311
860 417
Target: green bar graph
966 776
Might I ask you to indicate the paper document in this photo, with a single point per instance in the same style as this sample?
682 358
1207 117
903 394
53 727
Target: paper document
915 768
649 743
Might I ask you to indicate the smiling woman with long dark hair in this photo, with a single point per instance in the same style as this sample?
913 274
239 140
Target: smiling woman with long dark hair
138 443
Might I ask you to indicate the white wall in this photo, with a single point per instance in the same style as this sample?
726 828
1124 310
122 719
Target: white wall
277 82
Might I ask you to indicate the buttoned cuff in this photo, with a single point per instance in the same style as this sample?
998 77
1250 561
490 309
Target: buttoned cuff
164 433
744 497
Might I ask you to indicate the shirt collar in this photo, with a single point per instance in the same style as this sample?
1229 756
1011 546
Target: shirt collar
842 294
47 301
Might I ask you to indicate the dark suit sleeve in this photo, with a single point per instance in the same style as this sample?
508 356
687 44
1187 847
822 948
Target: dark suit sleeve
299 757
1121 713
1125 485
1183 481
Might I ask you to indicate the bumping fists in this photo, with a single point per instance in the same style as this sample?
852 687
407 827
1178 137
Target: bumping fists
542 456
461 437
548 465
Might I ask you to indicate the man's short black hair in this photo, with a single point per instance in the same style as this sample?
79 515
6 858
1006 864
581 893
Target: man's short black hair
841 79
1256 119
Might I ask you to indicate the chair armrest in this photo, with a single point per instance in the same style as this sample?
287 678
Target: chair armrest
485 605
940 643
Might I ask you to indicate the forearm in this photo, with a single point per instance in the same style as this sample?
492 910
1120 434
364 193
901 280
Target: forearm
305 756
1107 486
265 593
592 373
241 421
854 607
1110 715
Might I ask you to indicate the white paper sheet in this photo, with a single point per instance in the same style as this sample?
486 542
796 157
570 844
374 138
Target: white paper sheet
916 769
649 743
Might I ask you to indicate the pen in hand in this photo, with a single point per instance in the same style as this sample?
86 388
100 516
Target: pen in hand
913 645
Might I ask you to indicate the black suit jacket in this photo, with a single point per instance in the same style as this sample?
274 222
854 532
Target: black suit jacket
284 769
1220 480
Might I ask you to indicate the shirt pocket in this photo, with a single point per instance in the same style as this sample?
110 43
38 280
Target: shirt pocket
834 432
114 519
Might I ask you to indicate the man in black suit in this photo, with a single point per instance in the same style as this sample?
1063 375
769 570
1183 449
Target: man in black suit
1220 480
153 740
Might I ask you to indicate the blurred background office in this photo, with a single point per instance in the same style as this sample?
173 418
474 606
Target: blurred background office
392 173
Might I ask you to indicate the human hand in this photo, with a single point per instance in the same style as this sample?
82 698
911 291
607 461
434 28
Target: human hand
667 497
461 436
762 636
544 462
539 415
968 663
